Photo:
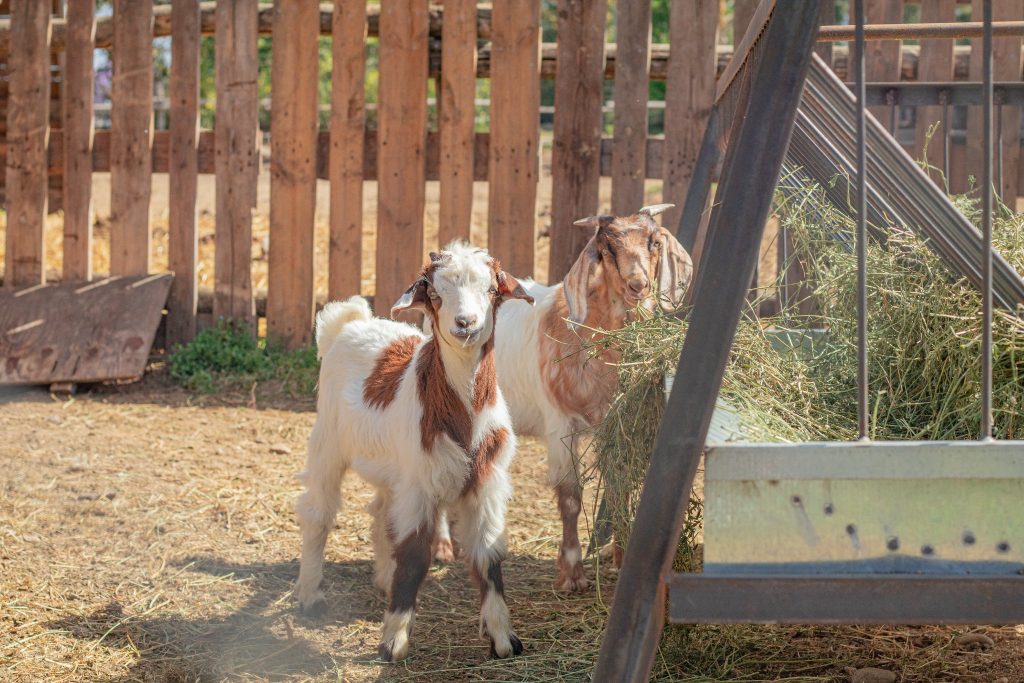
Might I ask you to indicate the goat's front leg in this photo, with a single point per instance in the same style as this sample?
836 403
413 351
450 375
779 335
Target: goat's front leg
412 523
480 529
563 476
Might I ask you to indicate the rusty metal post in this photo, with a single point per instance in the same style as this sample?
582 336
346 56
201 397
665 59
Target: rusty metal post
862 231
986 228
744 200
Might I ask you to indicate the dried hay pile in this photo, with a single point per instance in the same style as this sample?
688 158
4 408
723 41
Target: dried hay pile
786 385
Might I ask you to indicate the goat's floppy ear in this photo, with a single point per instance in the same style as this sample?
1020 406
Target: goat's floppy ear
414 297
577 281
654 209
510 288
675 268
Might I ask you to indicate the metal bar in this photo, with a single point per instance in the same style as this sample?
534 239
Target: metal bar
955 29
744 200
945 141
862 231
700 184
998 187
846 599
986 230
923 94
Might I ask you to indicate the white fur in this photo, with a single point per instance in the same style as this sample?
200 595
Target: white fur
384 446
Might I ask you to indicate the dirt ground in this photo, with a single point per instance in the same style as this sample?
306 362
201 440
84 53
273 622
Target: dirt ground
147 535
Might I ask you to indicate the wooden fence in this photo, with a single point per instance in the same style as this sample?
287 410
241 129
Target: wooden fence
454 45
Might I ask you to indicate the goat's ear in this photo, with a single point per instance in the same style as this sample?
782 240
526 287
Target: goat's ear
414 297
675 269
510 288
654 209
602 220
577 281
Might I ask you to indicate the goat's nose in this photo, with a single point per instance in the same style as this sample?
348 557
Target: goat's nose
465 321
637 286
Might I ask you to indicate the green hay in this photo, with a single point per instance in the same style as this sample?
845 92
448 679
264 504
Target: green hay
924 348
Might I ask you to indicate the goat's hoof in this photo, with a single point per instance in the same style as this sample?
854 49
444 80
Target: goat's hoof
514 648
444 552
316 609
389 652
572 579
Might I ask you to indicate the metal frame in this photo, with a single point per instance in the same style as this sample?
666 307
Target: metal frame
742 201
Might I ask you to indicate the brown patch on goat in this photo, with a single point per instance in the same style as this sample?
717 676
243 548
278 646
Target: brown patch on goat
443 409
485 382
412 560
482 462
381 385
578 383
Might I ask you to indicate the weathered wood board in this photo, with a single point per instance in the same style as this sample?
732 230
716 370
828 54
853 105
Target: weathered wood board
80 332
892 507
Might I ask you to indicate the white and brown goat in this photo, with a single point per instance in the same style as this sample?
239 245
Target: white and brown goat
555 389
421 417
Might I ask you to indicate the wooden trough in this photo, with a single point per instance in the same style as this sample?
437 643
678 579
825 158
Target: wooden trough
80 332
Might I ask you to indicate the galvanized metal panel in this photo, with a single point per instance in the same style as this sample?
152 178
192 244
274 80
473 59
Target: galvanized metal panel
853 508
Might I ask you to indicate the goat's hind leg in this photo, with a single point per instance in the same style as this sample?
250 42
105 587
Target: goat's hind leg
480 529
316 509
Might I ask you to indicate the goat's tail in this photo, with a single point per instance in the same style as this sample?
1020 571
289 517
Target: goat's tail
332 320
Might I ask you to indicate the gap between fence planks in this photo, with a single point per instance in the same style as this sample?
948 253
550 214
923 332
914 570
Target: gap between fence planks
78 132
236 159
935 63
882 57
293 127
513 159
401 139
1006 66
457 114
629 154
27 130
183 167
689 95
131 130
743 12
576 151
345 166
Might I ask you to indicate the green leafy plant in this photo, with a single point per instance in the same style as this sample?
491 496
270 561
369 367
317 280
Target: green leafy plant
228 356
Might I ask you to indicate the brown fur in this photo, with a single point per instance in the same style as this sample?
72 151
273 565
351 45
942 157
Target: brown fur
412 560
485 382
578 383
381 386
483 459
443 409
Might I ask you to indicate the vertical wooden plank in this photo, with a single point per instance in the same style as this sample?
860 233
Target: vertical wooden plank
236 158
828 17
456 96
77 124
401 139
1006 66
27 131
935 63
515 134
882 58
629 155
689 94
743 12
184 167
293 130
131 129
575 156
345 254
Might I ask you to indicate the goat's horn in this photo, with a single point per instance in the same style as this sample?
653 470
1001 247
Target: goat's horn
655 209
594 221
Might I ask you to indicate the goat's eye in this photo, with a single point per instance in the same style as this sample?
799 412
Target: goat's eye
433 296
492 290
654 245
